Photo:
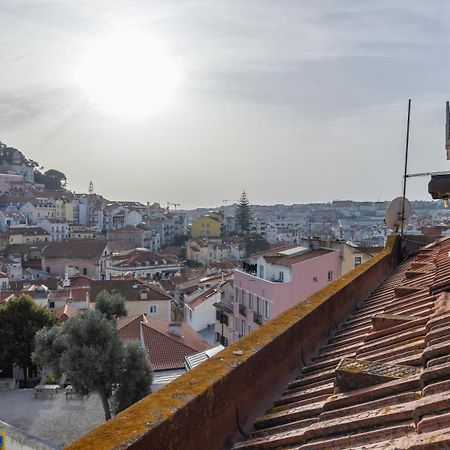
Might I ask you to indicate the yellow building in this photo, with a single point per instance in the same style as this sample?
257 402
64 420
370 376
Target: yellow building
208 225
64 209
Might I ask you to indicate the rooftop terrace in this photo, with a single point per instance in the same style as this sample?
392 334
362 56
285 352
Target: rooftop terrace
362 364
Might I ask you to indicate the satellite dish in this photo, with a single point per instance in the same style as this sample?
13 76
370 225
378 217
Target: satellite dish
393 216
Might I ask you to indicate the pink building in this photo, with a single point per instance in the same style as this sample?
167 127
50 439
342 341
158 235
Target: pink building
271 282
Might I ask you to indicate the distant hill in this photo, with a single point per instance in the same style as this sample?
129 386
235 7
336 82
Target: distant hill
34 173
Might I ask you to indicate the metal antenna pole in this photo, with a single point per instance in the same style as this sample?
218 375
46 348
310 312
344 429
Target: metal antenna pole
405 176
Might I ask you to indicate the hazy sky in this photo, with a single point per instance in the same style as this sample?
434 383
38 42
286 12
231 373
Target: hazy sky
293 101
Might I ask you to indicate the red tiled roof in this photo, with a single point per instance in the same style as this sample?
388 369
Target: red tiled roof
82 248
130 289
75 294
80 281
383 379
28 231
66 312
129 327
197 301
167 351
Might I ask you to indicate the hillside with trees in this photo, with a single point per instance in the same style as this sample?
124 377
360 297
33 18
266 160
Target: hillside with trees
12 157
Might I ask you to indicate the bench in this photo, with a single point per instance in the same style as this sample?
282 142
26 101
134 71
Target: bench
50 388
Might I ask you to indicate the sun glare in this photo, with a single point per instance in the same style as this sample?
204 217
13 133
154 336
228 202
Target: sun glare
128 74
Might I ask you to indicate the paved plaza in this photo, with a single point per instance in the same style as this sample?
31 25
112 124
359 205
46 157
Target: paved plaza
57 421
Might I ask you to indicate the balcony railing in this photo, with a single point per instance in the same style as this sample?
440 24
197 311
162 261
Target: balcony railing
257 318
242 310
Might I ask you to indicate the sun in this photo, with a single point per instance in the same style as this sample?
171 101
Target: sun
128 74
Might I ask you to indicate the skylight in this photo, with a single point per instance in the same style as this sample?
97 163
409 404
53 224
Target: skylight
293 251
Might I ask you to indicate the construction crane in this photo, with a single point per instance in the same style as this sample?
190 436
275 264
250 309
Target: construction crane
173 204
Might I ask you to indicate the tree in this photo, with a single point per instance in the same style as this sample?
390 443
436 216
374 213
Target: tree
135 379
110 305
243 214
255 243
54 179
88 349
20 319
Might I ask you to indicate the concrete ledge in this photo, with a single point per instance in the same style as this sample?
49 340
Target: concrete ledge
202 408
17 439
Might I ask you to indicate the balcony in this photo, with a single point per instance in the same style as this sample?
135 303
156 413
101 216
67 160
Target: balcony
242 310
257 318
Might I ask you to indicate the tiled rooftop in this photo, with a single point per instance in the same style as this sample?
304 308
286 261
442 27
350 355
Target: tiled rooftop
383 379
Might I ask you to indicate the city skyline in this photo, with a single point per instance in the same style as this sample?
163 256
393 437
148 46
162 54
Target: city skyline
296 102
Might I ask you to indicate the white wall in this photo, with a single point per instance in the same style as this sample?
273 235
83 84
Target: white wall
204 314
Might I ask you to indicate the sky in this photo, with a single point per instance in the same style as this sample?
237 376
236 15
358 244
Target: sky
194 101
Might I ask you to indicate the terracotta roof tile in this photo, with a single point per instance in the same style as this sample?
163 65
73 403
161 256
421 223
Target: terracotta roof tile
411 340
167 351
82 248
129 327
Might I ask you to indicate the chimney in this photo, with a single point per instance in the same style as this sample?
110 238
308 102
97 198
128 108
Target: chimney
66 281
176 329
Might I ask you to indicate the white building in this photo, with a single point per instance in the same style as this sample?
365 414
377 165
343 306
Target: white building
38 210
57 228
199 310
11 217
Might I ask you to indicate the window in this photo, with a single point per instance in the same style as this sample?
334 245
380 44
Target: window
153 309
357 261
242 327
85 272
281 276
315 279
47 269
250 301
190 314
218 336
51 305
261 271
243 297
224 341
258 305
267 310
330 275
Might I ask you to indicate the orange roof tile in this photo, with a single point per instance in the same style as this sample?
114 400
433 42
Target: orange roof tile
167 351
383 379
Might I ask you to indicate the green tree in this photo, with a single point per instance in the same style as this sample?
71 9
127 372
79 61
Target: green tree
243 214
88 350
110 305
54 179
134 380
254 243
20 319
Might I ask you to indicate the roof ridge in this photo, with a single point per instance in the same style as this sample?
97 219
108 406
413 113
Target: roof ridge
170 337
